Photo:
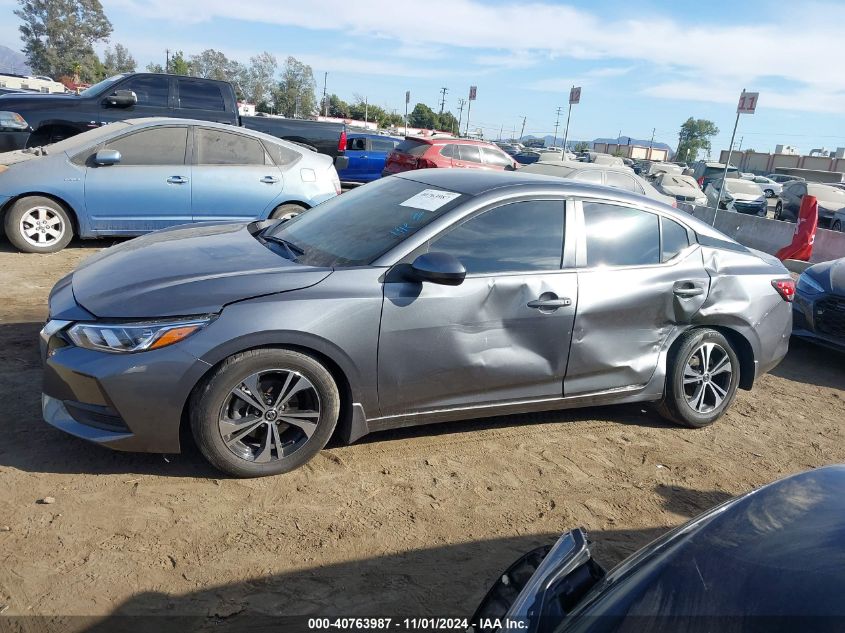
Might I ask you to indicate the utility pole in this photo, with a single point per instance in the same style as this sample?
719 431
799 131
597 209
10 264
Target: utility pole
325 100
651 142
366 111
461 103
167 60
522 132
728 162
513 133
501 129
443 90
557 124
566 131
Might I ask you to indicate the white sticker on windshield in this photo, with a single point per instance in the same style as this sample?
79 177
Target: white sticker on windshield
430 199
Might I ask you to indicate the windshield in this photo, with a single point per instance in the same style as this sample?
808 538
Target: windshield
830 196
102 86
91 137
357 227
713 171
735 185
679 181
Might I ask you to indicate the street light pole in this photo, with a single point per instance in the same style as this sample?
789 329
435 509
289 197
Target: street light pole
727 163
522 131
566 133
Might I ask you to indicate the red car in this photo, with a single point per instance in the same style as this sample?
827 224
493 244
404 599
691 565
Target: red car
425 153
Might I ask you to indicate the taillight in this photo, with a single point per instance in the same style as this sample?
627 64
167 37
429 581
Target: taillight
341 144
785 288
425 163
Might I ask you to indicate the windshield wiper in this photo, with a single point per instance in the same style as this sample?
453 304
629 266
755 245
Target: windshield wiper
292 248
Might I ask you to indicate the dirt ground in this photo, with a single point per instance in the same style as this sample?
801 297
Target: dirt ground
411 522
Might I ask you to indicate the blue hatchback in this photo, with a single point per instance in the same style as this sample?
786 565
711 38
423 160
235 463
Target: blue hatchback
367 155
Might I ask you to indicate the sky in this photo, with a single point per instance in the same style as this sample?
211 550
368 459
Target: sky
643 65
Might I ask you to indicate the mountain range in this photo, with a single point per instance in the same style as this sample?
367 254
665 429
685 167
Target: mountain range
622 140
12 61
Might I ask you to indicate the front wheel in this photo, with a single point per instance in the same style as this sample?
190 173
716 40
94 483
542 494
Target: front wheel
35 224
264 412
837 225
769 193
779 211
702 379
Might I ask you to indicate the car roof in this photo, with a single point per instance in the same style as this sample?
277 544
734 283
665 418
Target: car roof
445 140
574 164
161 120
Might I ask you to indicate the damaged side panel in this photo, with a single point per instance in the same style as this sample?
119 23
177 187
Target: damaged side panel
479 342
626 316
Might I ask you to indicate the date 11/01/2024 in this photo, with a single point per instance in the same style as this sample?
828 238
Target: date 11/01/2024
409 624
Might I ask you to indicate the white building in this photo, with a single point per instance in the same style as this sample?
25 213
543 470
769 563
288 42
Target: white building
786 149
246 109
38 84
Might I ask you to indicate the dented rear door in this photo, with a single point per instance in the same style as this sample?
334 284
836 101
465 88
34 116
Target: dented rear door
502 335
640 276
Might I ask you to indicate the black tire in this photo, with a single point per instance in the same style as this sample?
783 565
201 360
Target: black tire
286 211
779 210
676 405
769 193
210 411
25 231
837 226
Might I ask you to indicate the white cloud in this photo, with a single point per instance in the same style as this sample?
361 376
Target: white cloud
792 43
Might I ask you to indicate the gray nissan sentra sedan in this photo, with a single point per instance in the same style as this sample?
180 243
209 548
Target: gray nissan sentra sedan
431 296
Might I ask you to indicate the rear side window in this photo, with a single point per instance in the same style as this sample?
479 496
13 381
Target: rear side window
674 239
216 147
200 95
516 237
382 144
495 157
151 91
356 144
282 156
620 236
412 147
469 153
622 181
449 151
155 146
592 176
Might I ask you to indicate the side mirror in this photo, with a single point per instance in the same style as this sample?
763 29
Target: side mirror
121 99
107 157
439 268
510 167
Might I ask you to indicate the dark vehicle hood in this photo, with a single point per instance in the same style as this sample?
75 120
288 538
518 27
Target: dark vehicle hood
185 271
830 275
35 99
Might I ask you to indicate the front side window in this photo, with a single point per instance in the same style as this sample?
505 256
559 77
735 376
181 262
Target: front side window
517 237
356 144
200 95
622 181
216 147
620 236
155 146
382 144
151 91
495 157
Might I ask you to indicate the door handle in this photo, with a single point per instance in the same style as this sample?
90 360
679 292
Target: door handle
687 291
177 180
269 180
550 304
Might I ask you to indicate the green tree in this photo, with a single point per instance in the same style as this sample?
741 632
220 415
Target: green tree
582 146
60 33
338 107
695 136
118 60
447 122
294 95
423 117
259 78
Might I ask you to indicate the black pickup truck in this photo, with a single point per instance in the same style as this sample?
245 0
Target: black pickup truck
32 120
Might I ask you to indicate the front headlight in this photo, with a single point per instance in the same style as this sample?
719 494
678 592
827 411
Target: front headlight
808 285
133 337
12 121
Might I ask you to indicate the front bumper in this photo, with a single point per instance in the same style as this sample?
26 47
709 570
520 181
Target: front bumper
10 140
130 402
820 319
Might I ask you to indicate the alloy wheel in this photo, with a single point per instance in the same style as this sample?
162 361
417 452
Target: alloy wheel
269 415
42 226
707 377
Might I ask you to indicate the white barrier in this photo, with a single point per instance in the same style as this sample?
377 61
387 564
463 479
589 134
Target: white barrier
768 235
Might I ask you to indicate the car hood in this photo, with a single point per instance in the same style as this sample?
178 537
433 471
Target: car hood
830 275
186 271
747 197
682 191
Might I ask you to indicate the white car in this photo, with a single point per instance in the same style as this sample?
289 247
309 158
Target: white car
682 188
771 188
741 195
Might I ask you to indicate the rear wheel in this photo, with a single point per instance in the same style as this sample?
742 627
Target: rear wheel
286 211
769 193
264 412
837 225
779 210
702 378
35 224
